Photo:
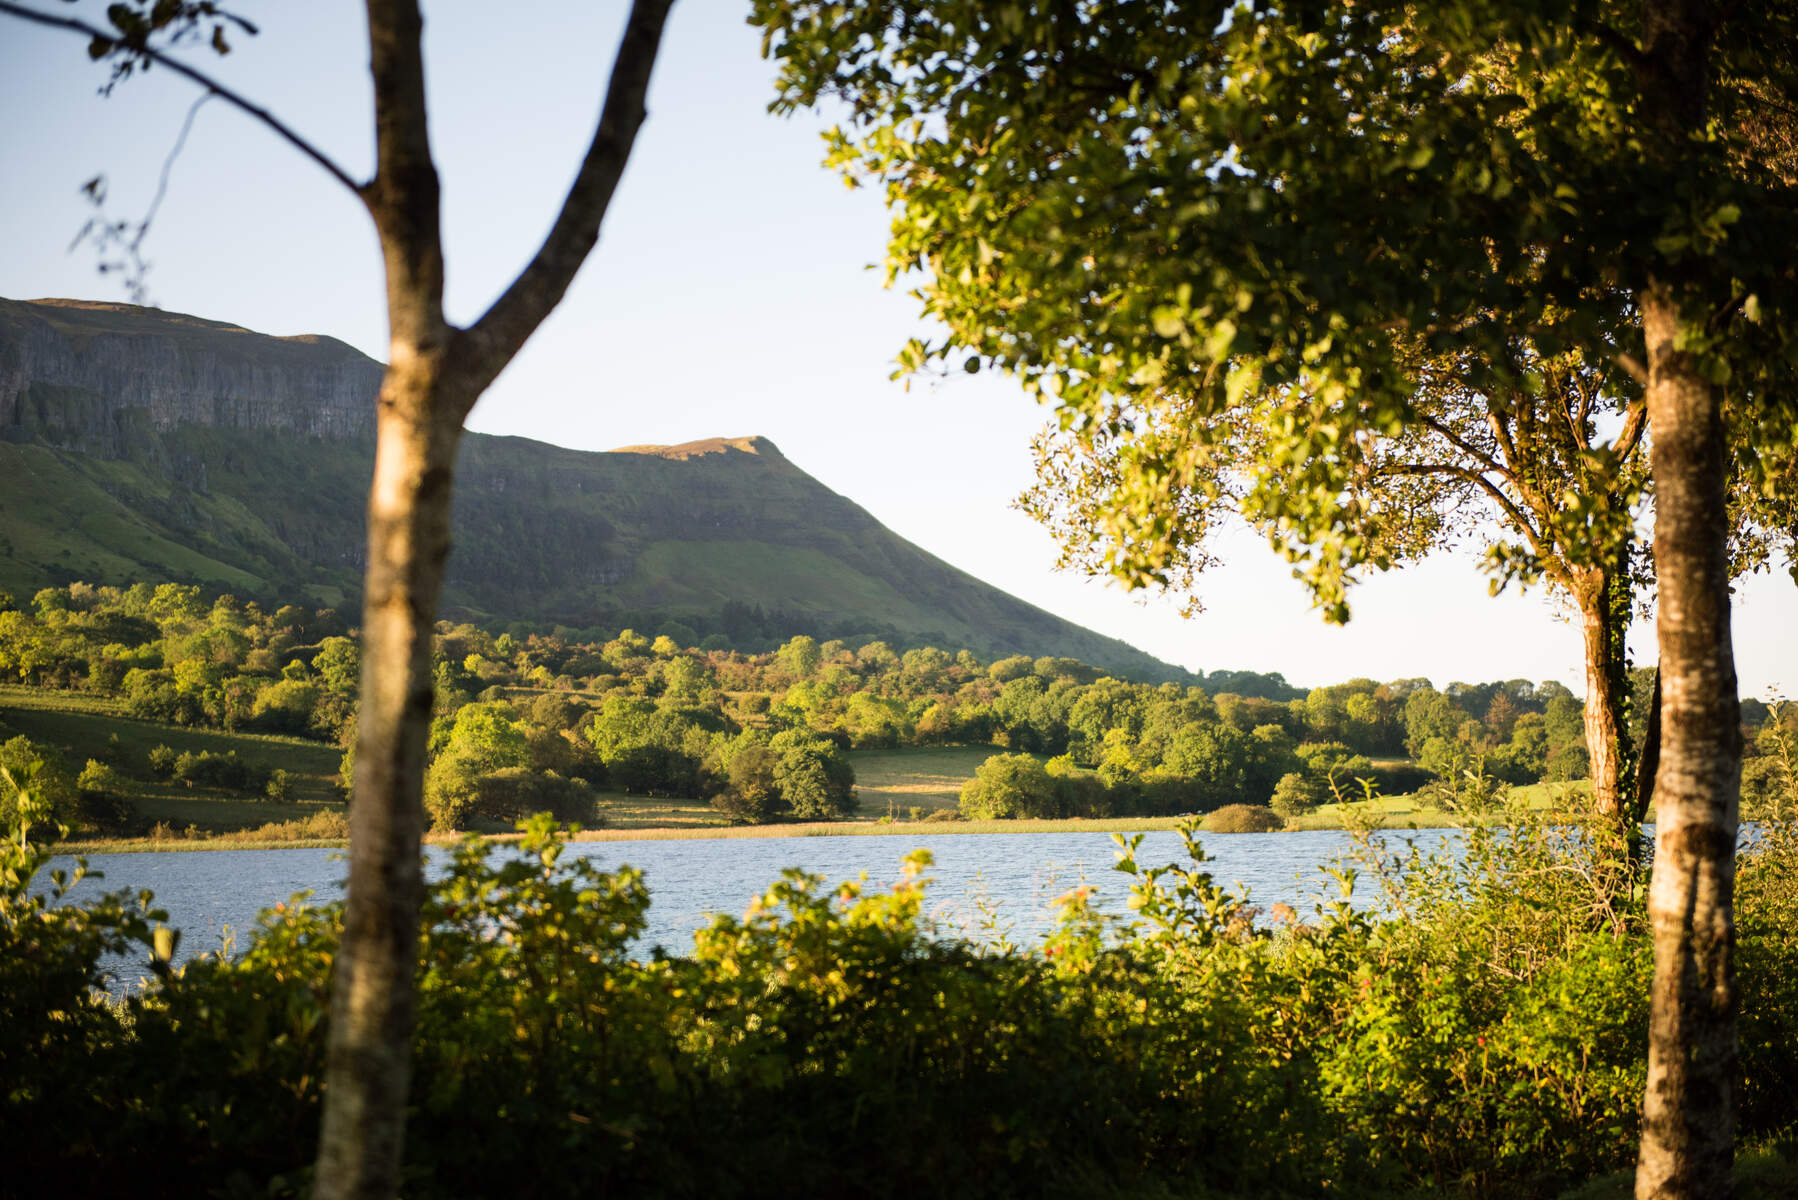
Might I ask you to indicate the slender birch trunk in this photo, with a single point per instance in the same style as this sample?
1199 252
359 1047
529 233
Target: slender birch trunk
370 1051
1688 1117
435 374
1688 1125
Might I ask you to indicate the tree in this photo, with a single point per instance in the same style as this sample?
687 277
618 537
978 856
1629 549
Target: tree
813 777
1009 785
1270 214
435 374
800 656
1493 460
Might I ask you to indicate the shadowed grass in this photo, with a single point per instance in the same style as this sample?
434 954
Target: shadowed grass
927 777
80 727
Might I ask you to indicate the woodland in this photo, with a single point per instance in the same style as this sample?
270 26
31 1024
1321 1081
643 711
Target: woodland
1350 273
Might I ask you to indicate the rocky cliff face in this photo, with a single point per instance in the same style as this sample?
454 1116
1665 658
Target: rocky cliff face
142 445
93 377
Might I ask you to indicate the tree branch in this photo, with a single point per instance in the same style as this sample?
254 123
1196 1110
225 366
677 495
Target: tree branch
1633 426
1632 366
492 341
212 85
1486 461
1493 491
1726 310
405 197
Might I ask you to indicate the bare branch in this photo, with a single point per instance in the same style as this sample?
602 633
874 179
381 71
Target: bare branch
1632 366
1486 461
493 340
405 197
1633 427
212 85
128 237
1493 491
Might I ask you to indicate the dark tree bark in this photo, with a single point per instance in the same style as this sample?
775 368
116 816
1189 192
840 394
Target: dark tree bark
1603 630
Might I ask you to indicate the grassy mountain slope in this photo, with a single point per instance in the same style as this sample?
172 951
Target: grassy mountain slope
106 475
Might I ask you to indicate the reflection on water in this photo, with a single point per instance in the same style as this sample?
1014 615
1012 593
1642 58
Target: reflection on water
208 893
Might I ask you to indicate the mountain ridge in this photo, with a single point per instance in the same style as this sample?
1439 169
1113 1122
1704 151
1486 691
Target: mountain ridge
133 440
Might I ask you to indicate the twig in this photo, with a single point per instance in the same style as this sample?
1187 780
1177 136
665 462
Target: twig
212 85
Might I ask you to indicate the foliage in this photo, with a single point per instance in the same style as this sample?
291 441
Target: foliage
1243 818
1296 795
1055 175
1477 1032
814 780
36 786
618 715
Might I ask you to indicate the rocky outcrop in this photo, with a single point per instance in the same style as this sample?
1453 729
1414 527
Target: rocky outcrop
93 377
137 444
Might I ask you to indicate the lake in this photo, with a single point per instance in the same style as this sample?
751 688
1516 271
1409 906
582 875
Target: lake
209 894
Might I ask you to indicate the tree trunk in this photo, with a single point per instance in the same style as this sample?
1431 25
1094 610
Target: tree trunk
1688 1123
1606 679
369 1056
434 375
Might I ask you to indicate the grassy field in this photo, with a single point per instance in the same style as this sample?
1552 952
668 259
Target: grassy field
82 727
893 782
625 812
889 783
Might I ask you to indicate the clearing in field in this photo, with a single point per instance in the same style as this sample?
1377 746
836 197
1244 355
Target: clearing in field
80 727
893 782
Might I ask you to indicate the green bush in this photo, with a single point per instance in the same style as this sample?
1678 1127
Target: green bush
1488 1041
1297 794
1243 818
36 787
1009 785
100 804
227 771
162 762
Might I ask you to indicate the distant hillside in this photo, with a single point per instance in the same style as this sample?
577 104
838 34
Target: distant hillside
139 444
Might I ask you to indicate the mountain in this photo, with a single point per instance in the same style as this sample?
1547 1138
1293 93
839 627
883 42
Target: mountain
141 444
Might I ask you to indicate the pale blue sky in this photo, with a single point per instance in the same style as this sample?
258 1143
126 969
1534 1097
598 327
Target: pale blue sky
730 295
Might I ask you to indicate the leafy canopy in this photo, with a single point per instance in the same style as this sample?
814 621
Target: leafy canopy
1209 227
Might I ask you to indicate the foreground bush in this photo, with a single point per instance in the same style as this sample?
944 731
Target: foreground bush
1485 1036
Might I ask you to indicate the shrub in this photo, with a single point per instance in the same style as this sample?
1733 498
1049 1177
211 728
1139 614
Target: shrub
458 798
326 826
226 771
100 806
162 762
750 795
1243 818
813 776
1296 794
37 787
1486 1043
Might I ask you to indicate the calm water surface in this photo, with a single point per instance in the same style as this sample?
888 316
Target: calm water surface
209 894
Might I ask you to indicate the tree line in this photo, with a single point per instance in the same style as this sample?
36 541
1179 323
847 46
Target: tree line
543 721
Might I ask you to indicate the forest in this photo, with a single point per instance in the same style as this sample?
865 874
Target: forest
545 722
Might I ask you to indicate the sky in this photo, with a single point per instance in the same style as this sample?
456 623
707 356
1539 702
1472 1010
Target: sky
732 293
